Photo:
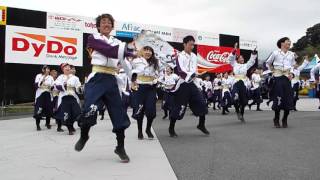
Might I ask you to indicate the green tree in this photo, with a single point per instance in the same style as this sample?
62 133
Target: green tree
308 44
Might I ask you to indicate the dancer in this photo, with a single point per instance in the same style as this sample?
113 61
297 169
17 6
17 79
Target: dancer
186 92
68 101
208 88
268 83
226 93
255 90
107 52
280 62
146 69
239 91
217 91
43 99
170 79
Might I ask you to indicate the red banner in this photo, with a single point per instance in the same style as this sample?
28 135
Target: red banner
215 55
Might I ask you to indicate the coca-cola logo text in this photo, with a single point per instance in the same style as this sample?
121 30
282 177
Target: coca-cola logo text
217 56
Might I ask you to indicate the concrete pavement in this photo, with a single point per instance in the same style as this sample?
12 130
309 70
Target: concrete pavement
26 154
254 150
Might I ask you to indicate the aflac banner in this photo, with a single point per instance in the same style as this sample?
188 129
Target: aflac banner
26 45
130 30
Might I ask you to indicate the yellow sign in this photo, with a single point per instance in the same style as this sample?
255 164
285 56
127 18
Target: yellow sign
3 15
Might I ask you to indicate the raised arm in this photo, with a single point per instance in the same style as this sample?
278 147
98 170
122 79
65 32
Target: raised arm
232 56
252 60
117 52
304 64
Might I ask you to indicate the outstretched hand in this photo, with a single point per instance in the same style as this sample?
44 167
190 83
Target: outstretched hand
234 51
255 51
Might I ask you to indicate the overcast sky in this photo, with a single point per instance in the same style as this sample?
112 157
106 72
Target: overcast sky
262 20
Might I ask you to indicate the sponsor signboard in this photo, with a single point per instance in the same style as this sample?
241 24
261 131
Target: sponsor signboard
130 30
25 45
248 44
216 55
71 23
207 38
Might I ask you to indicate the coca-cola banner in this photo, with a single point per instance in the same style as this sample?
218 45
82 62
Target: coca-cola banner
215 55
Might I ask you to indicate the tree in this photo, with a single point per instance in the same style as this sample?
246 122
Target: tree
308 44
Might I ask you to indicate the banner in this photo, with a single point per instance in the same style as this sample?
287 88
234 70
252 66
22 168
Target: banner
215 55
207 38
3 15
178 34
88 25
71 23
130 30
248 44
25 45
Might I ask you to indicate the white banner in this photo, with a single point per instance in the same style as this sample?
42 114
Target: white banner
127 29
247 44
207 38
179 34
71 23
26 45
64 22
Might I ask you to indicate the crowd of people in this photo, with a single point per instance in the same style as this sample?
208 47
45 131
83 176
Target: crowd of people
123 76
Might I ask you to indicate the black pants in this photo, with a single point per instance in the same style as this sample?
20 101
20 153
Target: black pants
146 99
188 93
282 94
43 106
240 97
104 87
256 96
